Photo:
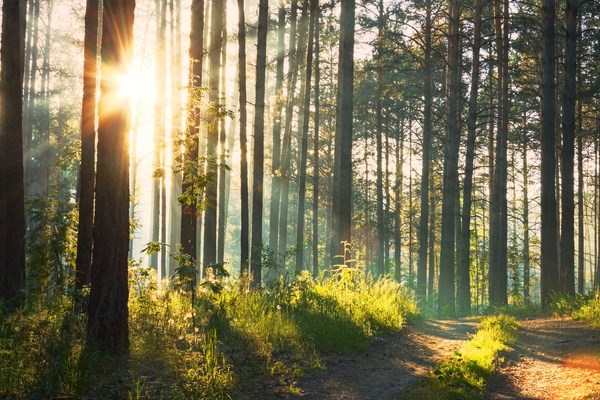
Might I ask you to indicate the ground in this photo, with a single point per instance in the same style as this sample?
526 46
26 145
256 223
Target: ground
554 359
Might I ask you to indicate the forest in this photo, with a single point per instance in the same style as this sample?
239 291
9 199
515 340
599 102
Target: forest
219 199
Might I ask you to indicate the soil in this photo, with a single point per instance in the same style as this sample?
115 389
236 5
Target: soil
391 365
556 359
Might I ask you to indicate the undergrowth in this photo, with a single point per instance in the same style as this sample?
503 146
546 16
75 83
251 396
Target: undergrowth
463 375
588 310
231 339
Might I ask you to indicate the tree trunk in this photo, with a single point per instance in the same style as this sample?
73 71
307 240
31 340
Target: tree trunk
342 174
258 159
244 233
317 164
464 262
526 256
223 151
304 144
427 129
209 253
549 257
567 235
379 137
83 262
450 187
398 195
12 197
107 327
276 160
190 190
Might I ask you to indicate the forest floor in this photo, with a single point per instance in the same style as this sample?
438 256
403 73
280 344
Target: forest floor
391 365
553 359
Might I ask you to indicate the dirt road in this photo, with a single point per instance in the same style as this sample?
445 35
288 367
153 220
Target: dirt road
554 359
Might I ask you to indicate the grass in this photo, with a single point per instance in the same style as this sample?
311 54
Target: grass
231 341
463 375
589 311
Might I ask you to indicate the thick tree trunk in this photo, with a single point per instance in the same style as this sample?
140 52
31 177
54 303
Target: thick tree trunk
83 263
190 190
549 243
259 131
450 187
567 235
12 196
107 327
464 258
342 174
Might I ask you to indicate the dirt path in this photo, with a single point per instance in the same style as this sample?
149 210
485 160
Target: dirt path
555 359
392 364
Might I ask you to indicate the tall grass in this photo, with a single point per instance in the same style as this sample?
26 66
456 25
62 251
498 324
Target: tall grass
230 339
589 311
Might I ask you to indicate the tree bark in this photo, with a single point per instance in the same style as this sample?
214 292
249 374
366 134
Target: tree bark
549 243
446 297
107 327
317 164
191 168
244 233
12 196
342 174
304 144
83 263
259 131
567 234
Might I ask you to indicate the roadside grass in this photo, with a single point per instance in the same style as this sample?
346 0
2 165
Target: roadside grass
588 310
463 375
231 340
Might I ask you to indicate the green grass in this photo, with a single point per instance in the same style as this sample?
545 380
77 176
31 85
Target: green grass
232 340
463 375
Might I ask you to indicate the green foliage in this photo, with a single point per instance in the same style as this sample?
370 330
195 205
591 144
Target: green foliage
463 375
227 339
563 305
589 311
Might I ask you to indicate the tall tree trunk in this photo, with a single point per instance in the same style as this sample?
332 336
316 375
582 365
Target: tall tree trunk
209 253
342 174
446 286
223 151
304 144
107 327
245 218
191 168
12 196
580 189
83 262
431 242
286 158
176 126
159 128
259 131
398 195
464 262
526 256
567 235
276 160
427 128
379 137
549 244
317 145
